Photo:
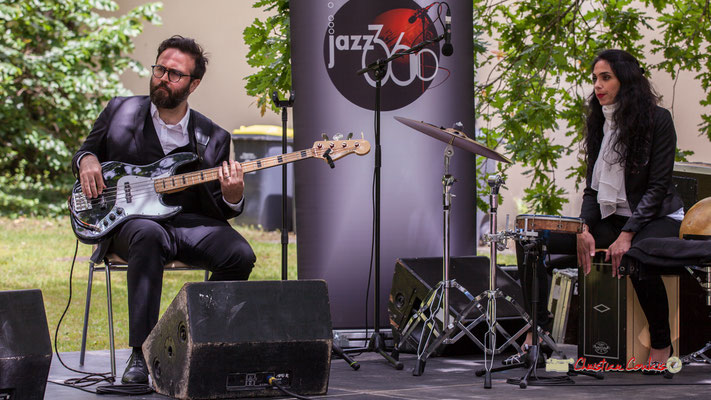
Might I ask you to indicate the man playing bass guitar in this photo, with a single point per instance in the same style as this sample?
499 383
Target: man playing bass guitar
141 130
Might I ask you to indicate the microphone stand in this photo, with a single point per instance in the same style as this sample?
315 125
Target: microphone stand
284 104
376 342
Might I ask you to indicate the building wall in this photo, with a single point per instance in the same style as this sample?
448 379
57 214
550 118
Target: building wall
217 25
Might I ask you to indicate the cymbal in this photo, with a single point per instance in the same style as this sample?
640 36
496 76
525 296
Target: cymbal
455 137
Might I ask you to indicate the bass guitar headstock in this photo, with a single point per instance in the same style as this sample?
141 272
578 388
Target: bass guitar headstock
333 149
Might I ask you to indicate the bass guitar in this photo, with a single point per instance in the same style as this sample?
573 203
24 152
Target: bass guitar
137 191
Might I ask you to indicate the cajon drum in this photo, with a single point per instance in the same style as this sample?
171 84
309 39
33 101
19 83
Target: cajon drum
613 326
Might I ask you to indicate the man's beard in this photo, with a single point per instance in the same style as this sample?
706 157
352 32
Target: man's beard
167 98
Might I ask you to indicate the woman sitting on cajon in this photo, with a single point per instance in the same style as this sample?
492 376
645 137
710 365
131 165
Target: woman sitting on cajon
630 146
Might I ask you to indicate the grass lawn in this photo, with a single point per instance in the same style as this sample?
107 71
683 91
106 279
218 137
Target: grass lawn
37 254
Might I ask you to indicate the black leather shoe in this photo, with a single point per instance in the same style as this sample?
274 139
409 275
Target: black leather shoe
136 370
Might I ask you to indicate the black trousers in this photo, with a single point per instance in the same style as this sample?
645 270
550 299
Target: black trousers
191 238
650 291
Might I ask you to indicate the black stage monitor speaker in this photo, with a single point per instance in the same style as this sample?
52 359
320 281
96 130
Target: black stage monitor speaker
414 278
25 349
226 339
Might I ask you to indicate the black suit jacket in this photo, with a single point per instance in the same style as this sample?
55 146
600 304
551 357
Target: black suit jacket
117 135
650 192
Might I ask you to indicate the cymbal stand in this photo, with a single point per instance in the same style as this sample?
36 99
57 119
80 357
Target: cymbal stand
435 307
495 183
497 241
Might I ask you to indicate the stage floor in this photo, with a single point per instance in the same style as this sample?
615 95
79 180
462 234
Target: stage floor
444 378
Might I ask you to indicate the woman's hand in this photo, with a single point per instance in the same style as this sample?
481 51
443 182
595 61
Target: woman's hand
617 249
586 249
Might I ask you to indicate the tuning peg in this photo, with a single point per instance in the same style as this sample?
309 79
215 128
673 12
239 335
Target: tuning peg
338 136
350 135
324 136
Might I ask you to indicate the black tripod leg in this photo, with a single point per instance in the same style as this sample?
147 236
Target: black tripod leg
533 361
573 372
351 362
378 345
533 349
395 354
482 372
419 367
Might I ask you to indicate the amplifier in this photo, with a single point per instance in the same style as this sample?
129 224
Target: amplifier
227 339
25 349
700 188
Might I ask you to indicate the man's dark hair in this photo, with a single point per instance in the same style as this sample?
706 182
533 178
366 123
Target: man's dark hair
188 46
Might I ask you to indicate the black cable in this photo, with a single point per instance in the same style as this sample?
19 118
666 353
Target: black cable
88 378
274 382
91 378
546 381
372 252
372 257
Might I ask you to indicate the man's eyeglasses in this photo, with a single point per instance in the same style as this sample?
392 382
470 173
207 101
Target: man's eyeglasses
173 75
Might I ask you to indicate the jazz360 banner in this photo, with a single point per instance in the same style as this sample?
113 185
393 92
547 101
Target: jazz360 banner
331 40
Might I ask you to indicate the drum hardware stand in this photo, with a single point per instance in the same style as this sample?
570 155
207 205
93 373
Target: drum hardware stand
698 355
433 308
534 249
436 304
702 274
284 104
498 242
533 256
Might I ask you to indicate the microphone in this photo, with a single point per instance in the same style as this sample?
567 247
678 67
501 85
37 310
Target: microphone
447 49
419 13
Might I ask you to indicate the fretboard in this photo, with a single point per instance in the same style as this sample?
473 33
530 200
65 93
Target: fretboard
178 182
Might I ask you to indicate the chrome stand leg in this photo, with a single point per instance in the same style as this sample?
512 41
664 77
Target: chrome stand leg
111 320
87 307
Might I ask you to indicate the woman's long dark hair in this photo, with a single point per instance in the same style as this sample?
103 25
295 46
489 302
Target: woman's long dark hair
636 102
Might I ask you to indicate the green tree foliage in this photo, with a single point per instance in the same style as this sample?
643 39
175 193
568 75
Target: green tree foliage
60 61
270 52
541 64
538 52
686 28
